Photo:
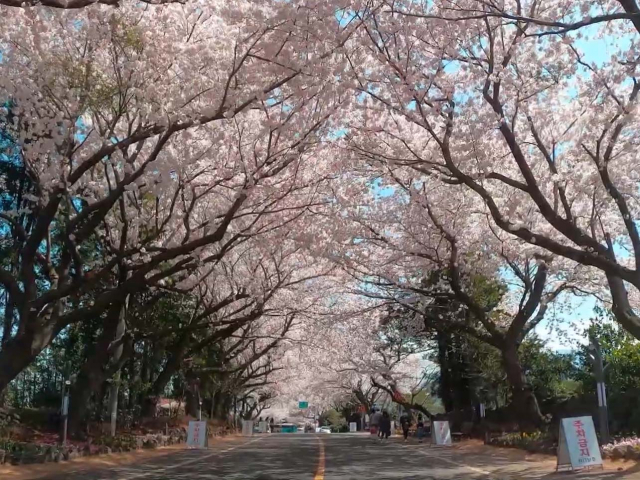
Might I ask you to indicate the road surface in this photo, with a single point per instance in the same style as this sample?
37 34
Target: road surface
335 457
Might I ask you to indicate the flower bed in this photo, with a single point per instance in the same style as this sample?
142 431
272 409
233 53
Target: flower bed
625 448
23 453
538 442
535 442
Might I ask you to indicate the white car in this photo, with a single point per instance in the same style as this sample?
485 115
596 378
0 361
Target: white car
324 430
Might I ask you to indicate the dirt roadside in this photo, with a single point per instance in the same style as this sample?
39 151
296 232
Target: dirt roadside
94 462
476 449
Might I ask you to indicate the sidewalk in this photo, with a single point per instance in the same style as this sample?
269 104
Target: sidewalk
94 462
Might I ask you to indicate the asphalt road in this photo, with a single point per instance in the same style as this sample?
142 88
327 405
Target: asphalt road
332 457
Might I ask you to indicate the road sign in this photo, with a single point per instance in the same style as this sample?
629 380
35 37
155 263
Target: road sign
353 427
197 435
578 446
303 405
247 428
440 433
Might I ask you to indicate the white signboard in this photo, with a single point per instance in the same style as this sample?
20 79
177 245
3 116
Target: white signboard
197 435
262 427
440 433
578 446
353 427
247 428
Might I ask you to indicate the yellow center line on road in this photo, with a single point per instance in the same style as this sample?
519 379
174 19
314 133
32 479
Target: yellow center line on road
320 470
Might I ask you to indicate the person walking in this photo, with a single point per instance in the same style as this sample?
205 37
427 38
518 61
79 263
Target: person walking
420 428
405 423
375 422
379 414
385 426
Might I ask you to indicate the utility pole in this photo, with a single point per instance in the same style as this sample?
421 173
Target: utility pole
595 355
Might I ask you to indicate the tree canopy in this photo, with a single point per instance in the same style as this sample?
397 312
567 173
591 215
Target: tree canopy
239 201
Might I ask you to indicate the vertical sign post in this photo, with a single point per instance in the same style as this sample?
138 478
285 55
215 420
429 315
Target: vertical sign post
595 355
65 411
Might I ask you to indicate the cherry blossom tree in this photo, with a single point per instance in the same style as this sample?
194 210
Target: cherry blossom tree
75 4
150 142
502 100
345 356
429 250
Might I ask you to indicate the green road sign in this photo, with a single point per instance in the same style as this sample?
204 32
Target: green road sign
303 405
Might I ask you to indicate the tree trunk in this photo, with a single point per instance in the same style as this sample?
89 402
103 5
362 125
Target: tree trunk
92 373
102 395
6 331
114 390
191 403
160 384
20 351
523 401
113 403
145 377
223 406
362 398
445 384
621 307
8 319
211 408
216 402
116 357
133 375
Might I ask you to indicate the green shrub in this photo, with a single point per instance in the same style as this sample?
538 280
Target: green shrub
339 428
123 442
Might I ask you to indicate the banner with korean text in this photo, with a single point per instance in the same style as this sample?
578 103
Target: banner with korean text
197 435
578 445
440 433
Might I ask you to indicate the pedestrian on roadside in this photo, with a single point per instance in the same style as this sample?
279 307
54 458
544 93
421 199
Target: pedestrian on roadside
375 422
405 423
420 428
385 426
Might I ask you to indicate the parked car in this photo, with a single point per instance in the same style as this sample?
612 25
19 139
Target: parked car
324 430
